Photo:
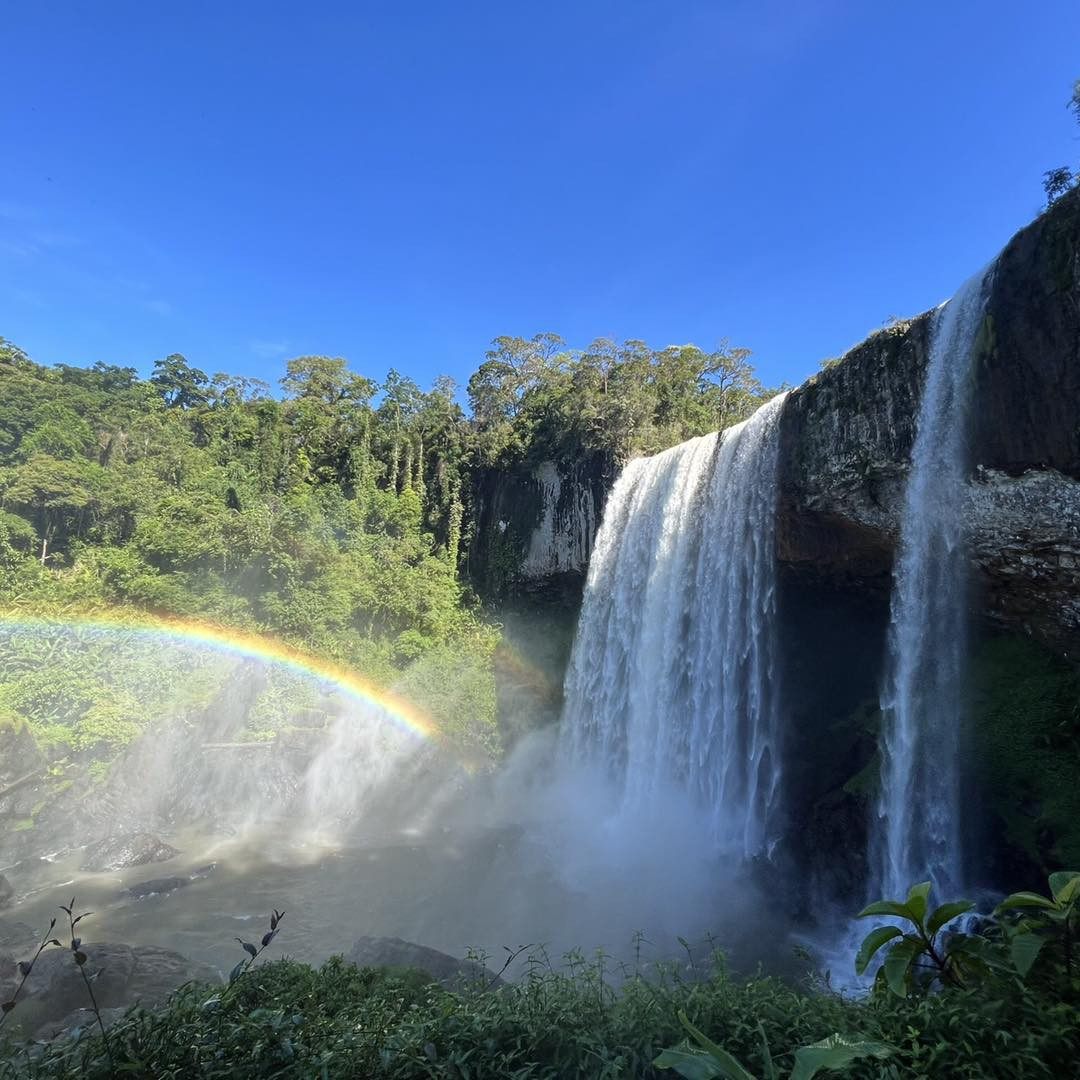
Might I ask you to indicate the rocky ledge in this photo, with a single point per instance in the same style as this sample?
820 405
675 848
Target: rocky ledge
847 433
846 439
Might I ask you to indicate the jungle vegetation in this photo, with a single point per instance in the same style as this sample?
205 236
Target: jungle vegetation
330 511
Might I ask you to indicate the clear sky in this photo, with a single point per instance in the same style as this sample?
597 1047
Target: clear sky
400 182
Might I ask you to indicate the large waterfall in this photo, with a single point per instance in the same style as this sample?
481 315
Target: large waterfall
673 679
916 833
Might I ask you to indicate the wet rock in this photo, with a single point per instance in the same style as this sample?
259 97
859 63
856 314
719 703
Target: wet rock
121 852
7 891
123 976
79 1022
17 939
395 952
158 886
161 886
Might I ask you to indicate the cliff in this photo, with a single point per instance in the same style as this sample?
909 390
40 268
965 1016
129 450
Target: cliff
534 526
847 433
846 438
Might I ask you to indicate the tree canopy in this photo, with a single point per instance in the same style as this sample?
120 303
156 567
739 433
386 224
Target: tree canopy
332 513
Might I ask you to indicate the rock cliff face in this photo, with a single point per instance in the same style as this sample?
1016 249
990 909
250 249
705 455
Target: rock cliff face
535 526
847 434
846 438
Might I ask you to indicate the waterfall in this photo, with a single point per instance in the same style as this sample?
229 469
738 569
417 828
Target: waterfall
672 678
916 833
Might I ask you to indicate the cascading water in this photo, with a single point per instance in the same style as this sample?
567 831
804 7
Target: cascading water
916 832
672 679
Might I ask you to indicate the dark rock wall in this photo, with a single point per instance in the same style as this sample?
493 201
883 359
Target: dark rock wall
847 433
846 437
534 527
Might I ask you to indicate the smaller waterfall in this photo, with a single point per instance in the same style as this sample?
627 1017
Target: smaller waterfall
917 834
672 678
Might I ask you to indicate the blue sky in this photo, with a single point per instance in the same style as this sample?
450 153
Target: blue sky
400 182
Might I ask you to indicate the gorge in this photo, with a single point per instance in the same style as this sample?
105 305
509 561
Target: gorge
758 639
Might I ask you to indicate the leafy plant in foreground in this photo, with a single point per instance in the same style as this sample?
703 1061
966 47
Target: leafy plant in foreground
948 959
699 1058
1045 920
80 959
253 951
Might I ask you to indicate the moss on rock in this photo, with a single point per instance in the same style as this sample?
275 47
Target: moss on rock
1026 743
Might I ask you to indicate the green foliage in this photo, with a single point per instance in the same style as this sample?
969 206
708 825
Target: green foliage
332 518
1026 718
1059 181
318 519
285 1019
535 399
699 1058
1046 920
84 696
951 958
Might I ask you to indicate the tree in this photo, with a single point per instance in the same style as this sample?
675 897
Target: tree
12 355
328 379
1056 182
402 400
180 385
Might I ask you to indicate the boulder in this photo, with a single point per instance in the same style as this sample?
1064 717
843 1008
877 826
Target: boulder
81 1020
130 849
123 976
20 758
158 886
163 885
447 970
18 939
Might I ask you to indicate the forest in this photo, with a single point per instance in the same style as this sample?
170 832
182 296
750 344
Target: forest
333 512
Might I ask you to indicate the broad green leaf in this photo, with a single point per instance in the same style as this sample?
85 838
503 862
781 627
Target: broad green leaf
1023 950
766 1055
973 954
886 907
973 945
897 963
1065 885
946 913
1025 899
835 1052
872 942
724 1060
917 900
689 1061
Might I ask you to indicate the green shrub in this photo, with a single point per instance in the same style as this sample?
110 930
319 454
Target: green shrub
285 1019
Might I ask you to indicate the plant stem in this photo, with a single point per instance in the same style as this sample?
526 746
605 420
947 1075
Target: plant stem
86 979
22 982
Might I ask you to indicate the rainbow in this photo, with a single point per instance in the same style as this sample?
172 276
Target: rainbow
244 644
